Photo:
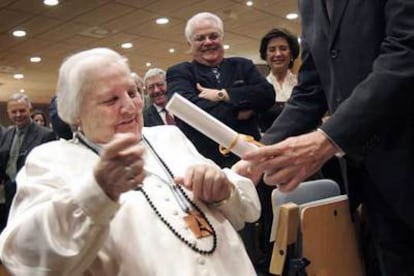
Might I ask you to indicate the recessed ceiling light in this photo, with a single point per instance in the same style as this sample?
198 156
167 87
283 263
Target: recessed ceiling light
162 20
22 90
226 46
148 64
19 33
171 50
18 76
51 2
292 16
127 45
249 3
35 59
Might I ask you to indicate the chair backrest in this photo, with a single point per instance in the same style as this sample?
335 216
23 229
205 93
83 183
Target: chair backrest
317 214
306 192
329 238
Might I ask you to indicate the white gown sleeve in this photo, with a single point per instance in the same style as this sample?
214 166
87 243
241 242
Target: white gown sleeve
60 217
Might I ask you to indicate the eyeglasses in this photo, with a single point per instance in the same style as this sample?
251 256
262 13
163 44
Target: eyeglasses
211 36
160 84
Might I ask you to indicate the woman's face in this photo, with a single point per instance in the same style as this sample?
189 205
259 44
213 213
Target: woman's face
112 105
38 118
278 55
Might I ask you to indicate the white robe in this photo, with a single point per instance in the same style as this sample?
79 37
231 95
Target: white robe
62 223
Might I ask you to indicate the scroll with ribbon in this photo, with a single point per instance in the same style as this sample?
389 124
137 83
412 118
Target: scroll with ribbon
227 138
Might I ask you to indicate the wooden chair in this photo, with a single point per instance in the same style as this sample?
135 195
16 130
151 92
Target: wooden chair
3 271
314 233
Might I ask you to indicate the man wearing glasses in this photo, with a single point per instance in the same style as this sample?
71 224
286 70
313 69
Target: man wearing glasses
230 89
156 87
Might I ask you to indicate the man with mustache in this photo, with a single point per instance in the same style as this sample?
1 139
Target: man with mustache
230 89
156 87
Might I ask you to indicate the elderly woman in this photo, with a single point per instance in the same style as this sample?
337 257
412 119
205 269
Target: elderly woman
279 48
119 199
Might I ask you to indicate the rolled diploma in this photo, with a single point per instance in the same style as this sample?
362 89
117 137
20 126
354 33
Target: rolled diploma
207 124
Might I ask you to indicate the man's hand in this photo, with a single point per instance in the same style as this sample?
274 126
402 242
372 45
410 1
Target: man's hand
291 161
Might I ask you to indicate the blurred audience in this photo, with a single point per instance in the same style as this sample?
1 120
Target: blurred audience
156 87
39 117
17 142
61 129
279 48
139 82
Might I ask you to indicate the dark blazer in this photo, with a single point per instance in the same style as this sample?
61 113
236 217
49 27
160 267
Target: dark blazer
34 136
247 88
360 68
152 117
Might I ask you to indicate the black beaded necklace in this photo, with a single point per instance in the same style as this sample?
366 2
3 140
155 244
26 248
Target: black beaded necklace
181 196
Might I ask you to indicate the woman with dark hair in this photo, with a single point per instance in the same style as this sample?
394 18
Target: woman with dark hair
279 48
39 117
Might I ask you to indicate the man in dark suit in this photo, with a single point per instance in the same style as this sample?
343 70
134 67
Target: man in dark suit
156 88
16 143
358 64
230 89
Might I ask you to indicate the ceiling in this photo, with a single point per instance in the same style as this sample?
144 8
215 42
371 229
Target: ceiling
56 32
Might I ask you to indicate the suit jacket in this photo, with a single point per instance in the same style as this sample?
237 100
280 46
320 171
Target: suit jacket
152 117
34 136
247 88
359 68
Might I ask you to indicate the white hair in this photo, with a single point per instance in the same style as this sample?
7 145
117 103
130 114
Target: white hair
189 27
77 74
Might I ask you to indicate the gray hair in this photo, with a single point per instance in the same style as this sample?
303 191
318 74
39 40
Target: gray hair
20 97
153 72
77 75
189 27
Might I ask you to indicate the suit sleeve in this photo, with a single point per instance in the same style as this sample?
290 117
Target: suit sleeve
385 96
255 92
181 79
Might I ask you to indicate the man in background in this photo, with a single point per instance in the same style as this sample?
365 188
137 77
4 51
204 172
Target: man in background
16 143
230 89
156 88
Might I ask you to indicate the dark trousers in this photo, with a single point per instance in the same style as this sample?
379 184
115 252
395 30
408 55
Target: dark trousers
389 237
393 238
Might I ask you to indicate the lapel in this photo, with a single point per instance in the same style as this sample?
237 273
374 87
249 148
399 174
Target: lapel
156 116
339 7
324 18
